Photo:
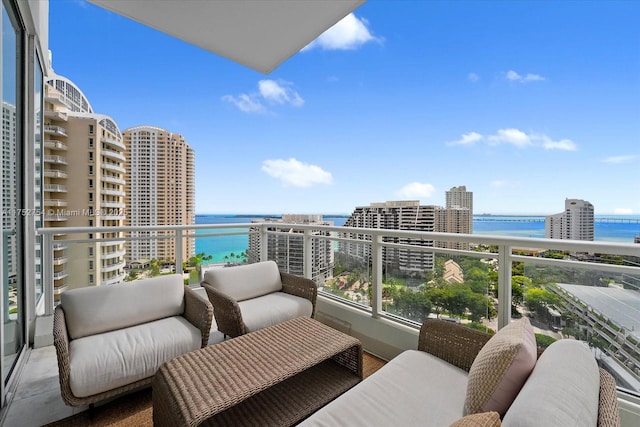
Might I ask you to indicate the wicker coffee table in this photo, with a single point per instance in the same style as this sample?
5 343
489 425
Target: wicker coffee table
275 376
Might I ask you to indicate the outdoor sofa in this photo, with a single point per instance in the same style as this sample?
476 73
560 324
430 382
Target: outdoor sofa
464 377
111 339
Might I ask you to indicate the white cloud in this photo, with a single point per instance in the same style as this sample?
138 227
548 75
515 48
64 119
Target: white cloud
623 211
347 34
529 77
245 103
279 92
416 190
473 77
563 144
467 139
510 136
500 183
294 173
620 159
271 91
521 139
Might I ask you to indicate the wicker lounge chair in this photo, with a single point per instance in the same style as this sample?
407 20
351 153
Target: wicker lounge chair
251 297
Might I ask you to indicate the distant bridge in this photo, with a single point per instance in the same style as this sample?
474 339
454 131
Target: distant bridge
541 219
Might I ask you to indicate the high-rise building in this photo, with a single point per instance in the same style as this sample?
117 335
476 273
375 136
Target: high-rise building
286 246
456 217
83 184
160 187
577 222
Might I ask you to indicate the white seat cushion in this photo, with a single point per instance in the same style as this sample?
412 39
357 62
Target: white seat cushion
274 308
105 361
413 389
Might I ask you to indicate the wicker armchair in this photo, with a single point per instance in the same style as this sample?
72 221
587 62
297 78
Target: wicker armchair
250 297
459 345
102 324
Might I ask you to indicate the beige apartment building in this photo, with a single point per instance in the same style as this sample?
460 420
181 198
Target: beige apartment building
160 187
286 247
83 186
456 217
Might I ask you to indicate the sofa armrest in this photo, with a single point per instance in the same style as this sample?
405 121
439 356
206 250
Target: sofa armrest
608 411
301 287
61 343
226 311
451 342
199 312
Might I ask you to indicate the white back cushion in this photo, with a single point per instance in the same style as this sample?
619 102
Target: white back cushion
99 309
562 390
245 281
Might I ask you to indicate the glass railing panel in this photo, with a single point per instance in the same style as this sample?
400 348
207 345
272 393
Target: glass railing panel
451 287
598 306
351 279
217 248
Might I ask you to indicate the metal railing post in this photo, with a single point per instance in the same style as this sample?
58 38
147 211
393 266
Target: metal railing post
376 275
504 285
179 245
264 242
47 273
308 254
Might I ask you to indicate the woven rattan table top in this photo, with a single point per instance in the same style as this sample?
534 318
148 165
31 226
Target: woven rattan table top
207 381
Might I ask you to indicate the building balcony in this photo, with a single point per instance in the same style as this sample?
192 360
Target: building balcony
56 160
111 192
113 167
55 145
113 205
115 279
113 180
56 115
118 145
113 267
55 173
54 188
114 254
113 155
55 203
55 130
56 217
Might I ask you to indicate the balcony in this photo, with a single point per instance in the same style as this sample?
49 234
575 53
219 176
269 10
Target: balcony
114 254
55 203
366 299
55 130
113 155
55 173
111 192
113 167
113 180
113 142
56 160
56 115
113 267
55 188
115 279
117 205
55 145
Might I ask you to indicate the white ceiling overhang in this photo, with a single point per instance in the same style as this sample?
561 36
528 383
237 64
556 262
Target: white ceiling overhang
260 34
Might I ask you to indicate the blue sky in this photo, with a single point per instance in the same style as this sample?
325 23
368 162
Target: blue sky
525 103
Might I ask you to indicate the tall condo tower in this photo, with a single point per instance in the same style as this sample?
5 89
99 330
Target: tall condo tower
287 247
160 187
83 185
575 223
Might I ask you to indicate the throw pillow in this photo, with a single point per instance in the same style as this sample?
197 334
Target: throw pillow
481 419
501 368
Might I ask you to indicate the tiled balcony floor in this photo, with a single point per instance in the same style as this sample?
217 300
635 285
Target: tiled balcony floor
37 400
